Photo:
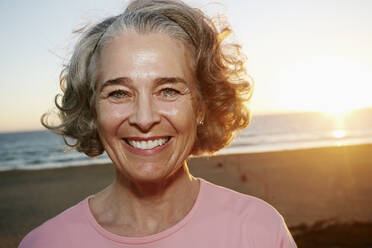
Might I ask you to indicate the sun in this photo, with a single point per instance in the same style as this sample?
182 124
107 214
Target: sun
339 133
333 85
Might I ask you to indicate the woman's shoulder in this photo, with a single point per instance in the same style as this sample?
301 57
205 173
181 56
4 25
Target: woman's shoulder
54 230
257 219
237 202
246 209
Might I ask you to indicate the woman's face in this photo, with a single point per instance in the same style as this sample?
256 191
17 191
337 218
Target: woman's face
145 110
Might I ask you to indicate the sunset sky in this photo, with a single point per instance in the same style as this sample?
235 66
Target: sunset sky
303 55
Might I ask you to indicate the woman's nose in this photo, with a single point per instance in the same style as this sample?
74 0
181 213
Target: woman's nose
145 114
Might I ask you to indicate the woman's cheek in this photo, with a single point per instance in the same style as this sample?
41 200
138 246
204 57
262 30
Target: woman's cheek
111 115
178 112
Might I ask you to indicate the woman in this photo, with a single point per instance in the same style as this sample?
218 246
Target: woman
151 87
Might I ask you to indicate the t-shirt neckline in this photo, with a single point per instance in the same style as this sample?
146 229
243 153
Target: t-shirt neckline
144 239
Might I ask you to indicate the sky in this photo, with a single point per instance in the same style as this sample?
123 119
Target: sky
303 55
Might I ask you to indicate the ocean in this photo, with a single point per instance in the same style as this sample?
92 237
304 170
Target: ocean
43 149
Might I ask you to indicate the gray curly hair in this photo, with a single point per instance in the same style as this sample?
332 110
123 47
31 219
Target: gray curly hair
222 84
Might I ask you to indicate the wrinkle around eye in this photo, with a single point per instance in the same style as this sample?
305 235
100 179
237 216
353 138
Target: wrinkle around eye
170 92
118 94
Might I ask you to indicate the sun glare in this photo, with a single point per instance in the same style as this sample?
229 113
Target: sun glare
339 134
332 85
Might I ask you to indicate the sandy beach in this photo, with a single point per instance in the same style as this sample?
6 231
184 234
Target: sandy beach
308 187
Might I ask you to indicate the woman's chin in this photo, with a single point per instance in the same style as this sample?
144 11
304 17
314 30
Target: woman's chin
152 175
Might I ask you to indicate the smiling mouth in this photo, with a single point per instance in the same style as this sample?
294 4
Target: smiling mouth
147 144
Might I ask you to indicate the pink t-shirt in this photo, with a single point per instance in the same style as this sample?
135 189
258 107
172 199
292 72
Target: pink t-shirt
220 217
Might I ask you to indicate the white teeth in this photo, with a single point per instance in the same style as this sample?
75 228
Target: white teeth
147 144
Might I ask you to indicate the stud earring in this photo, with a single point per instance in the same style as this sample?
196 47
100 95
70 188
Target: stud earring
201 122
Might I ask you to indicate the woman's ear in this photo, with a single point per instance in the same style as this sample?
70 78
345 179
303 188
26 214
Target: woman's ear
200 108
200 117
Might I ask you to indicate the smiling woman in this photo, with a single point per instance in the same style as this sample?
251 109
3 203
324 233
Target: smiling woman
145 109
150 87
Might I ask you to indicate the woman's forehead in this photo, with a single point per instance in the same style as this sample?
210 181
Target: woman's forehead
141 56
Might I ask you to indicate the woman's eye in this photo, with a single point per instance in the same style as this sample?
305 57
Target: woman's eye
169 92
118 94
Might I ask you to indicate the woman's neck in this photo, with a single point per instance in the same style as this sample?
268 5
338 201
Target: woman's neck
140 209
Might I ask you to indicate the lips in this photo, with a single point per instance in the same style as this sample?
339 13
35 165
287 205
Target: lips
147 143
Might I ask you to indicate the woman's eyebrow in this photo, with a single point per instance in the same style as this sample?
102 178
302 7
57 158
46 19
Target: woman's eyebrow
165 80
116 81
127 81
